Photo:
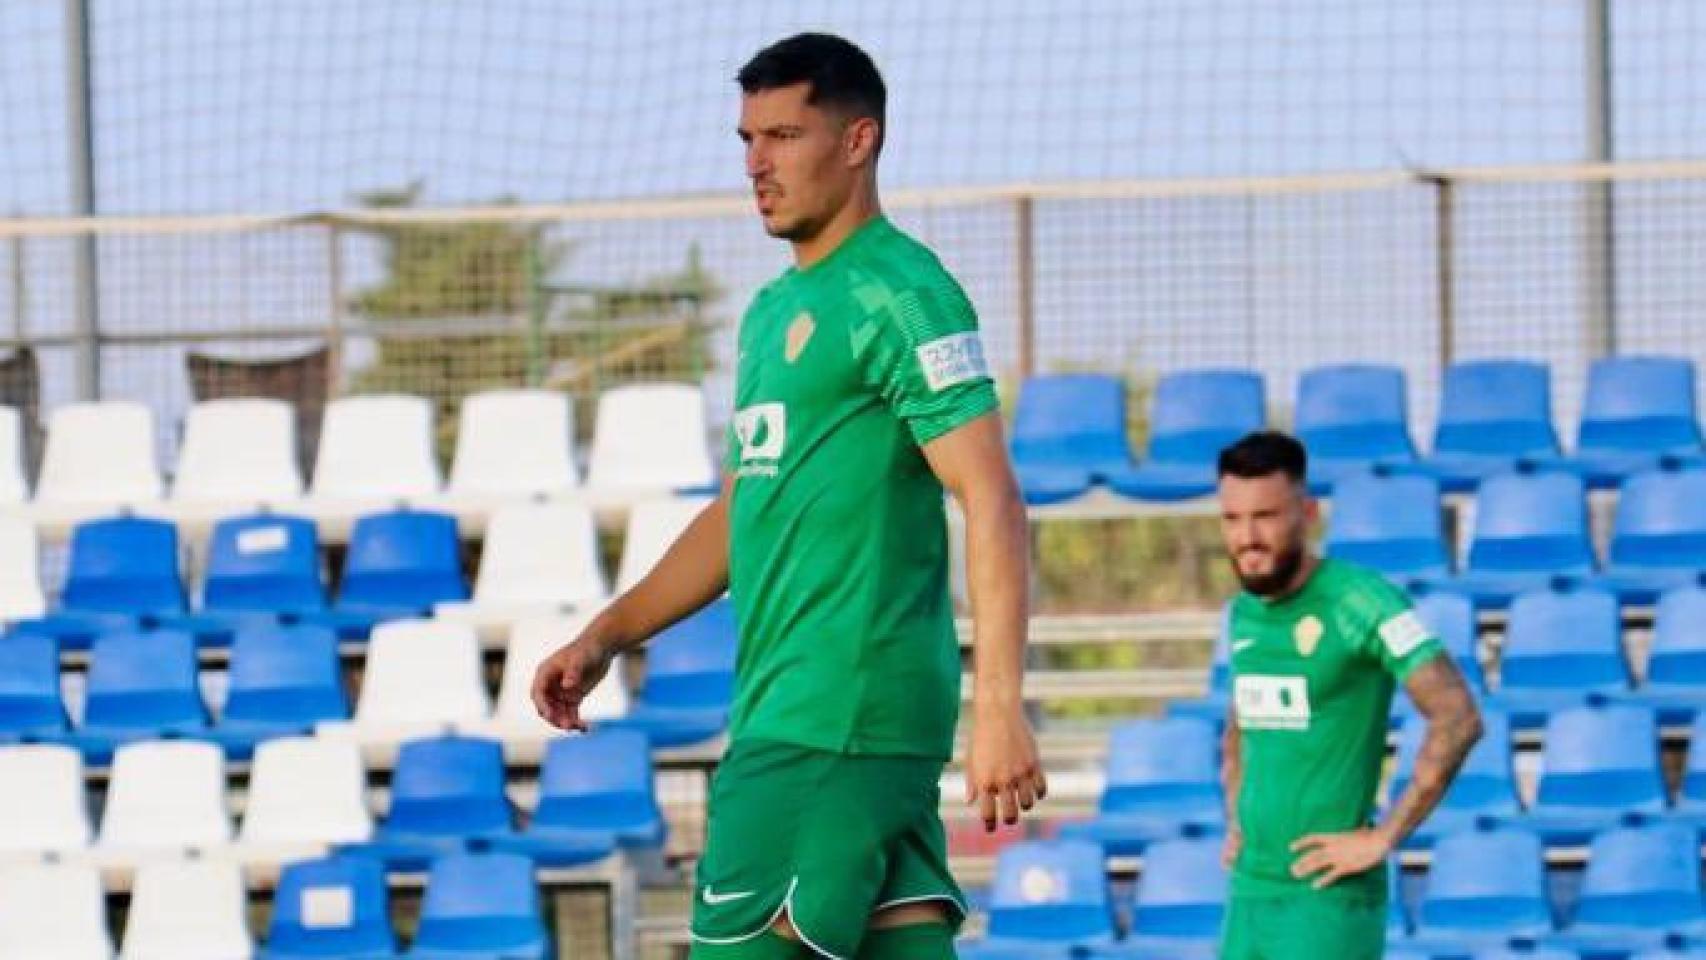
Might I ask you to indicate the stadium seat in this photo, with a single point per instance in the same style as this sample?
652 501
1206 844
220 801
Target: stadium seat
188 910
423 677
446 793
689 682
122 573
1561 644
53 912
1676 946
1451 617
1163 779
376 448
481 906
1493 415
51 814
1214 705
263 567
1388 523
649 439
336 907
1675 684
513 445
165 797
1520 949
14 485
400 564
1599 762
237 454
1530 529
1659 538
516 721
100 456
1069 432
538 560
1642 882
1351 418
653 525
31 704
282 681
1485 787
306 795
1050 896
141 686
1195 415
1484 887
1638 410
21 595
595 796
1181 895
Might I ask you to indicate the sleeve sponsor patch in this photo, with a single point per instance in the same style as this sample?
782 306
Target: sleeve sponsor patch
953 359
1404 633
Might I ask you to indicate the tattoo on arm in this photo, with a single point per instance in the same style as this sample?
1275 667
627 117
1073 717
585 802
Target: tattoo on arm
1454 724
1231 767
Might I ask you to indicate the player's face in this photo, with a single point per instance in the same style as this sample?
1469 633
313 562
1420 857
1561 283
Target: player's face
797 158
1265 522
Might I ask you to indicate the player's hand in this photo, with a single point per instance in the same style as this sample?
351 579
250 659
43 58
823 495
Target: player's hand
1004 774
1330 857
1232 845
566 677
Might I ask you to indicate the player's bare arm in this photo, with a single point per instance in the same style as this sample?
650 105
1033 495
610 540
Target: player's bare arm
1443 699
1231 782
1004 774
693 572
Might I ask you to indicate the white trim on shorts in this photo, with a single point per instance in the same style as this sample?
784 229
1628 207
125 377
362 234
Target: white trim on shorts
785 907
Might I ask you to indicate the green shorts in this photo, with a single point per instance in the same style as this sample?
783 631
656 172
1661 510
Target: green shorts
1303 927
826 838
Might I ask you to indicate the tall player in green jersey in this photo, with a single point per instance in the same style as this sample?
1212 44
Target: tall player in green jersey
1317 646
861 393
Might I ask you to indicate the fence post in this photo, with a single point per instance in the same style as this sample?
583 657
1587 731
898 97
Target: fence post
1025 264
1445 253
335 307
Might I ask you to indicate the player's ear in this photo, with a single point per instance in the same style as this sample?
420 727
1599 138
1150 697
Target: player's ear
860 141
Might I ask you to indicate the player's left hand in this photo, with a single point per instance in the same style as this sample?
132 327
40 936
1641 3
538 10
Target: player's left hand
1004 774
1330 857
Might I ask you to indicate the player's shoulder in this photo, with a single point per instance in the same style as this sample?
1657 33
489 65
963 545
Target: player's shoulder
1364 594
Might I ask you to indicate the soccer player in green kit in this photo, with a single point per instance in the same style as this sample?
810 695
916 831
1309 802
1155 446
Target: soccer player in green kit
861 393
1317 646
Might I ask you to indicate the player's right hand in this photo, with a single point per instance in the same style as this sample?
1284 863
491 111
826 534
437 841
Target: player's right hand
1232 845
566 677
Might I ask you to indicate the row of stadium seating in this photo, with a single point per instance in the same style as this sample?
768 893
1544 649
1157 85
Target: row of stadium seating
1070 431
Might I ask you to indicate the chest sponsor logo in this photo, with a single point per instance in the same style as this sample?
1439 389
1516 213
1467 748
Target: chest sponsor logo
1307 635
799 334
1271 702
951 360
1404 633
762 430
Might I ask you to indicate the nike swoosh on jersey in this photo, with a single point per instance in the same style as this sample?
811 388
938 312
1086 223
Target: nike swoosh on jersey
1238 645
712 899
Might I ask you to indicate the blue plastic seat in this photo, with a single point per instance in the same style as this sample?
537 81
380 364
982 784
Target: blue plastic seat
1163 779
1389 523
283 681
1562 644
313 896
1050 896
595 797
1684 948
1659 538
264 564
1484 788
689 682
1522 949
1212 707
1676 660
1494 414
1180 896
399 565
1638 410
1642 881
1352 417
122 574
447 795
1484 886
1598 763
1530 529
1068 433
142 686
481 906
31 705
1196 414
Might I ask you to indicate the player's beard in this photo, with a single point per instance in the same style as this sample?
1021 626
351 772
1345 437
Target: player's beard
1275 581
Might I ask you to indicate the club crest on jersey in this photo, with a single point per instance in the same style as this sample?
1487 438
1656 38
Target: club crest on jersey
799 334
1307 634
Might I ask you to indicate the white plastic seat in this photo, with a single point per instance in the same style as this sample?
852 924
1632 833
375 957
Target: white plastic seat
305 794
43 809
539 559
649 439
14 486
423 678
100 456
653 525
21 595
516 722
375 452
238 454
165 797
53 912
514 444
188 910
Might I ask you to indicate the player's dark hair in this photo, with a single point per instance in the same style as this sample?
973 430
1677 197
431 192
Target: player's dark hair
1263 454
841 76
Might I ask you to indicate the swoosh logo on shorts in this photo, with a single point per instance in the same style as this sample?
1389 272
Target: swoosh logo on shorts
712 899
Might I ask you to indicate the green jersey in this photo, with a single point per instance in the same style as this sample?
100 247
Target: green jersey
838 560
1312 682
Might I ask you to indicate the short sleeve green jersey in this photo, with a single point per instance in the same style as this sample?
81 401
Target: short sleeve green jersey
1312 681
838 559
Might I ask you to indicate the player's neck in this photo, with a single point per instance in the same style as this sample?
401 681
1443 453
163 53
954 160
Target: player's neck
861 209
1305 569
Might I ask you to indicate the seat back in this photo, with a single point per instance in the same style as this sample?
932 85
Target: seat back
238 450
1642 877
1354 412
52 814
286 675
1496 407
265 563
422 671
124 565
100 452
449 786
541 553
1602 757
651 436
1182 892
21 595
1162 765
376 447
1052 891
600 781
1390 523
1531 522
1197 413
1661 520
481 902
1565 637
307 790
166 794
30 698
1640 404
514 443
144 681
53 910
403 558
332 907
188 910
1487 882
1075 419
653 526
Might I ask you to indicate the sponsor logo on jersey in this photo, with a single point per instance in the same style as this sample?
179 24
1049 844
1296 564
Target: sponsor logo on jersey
1271 702
762 430
799 334
1307 635
1404 633
951 360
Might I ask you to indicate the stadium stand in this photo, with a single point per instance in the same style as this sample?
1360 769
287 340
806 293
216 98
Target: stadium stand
1638 411
331 907
1562 643
101 456
649 441
1659 537
1049 897
1163 780
1392 524
1493 415
53 910
1531 527
236 455
423 677
1487 885
512 445
1352 418
43 813
1195 414
1069 433
537 559
188 910
1600 762
1485 789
